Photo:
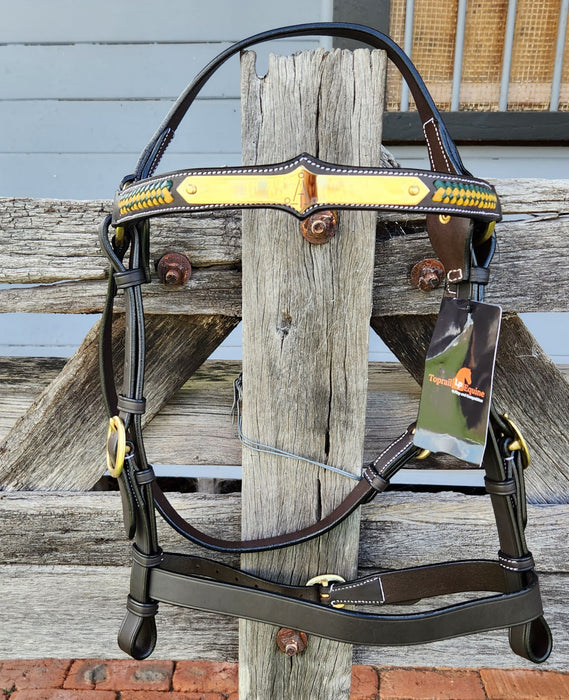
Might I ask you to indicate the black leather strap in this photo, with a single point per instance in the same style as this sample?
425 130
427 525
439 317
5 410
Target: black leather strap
443 153
253 603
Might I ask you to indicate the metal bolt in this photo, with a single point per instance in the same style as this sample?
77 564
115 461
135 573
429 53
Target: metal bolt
174 269
427 274
320 227
291 642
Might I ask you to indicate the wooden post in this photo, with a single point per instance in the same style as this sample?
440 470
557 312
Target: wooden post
306 312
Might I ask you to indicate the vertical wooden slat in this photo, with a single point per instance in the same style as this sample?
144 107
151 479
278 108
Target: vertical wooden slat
306 313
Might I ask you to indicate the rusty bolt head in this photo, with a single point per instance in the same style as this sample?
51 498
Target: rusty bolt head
320 227
291 642
427 274
174 269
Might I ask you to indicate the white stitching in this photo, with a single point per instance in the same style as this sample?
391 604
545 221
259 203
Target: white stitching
291 166
360 584
437 134
237 205
401 437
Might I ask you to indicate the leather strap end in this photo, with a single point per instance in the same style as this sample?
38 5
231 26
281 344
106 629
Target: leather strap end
532 641
137 634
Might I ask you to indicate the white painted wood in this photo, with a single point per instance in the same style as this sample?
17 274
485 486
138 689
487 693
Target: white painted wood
88 175
113 127
64 21
123 71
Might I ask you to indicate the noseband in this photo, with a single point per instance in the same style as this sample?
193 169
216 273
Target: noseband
461 211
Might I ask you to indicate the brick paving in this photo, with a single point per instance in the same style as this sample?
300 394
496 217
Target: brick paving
100 679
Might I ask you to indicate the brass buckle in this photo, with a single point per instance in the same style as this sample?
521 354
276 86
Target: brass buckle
324 581
423 454
116 446
518 443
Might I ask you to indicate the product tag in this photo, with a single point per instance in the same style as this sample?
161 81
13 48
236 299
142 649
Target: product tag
457 385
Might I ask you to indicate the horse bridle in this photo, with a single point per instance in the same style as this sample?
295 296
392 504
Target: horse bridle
461 211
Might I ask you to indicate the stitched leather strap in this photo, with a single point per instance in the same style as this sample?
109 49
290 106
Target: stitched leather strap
303 185
442 150
253 603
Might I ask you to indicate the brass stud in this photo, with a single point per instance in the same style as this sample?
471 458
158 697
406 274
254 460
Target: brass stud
444 218
414 190
191 189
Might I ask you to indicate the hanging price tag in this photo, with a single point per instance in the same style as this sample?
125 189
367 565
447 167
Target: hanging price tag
457 385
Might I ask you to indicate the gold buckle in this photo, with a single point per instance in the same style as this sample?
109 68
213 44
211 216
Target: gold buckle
423 454
518 443
116 448
324 581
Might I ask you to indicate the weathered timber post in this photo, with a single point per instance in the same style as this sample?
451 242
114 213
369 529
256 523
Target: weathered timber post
306 311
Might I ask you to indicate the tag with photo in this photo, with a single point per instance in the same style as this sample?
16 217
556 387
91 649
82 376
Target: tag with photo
457 384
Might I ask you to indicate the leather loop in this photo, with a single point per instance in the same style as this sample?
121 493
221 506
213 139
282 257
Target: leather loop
500 488
145 476
377 482
525 563
146 560
532 641
130 278
128 405
137 634
479 275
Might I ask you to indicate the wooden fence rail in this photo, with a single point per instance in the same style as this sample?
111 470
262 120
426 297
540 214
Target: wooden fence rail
63 576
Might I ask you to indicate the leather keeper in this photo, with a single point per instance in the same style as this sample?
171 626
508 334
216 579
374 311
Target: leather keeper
128 405
479 275
146 476
374 479
130 278
146 560
141 609
500 488
525 563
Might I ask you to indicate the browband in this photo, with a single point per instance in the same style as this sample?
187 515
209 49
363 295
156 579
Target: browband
461 211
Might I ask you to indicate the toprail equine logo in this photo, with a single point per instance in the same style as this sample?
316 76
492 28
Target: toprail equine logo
461 385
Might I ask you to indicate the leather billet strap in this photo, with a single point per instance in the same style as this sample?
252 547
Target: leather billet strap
304 185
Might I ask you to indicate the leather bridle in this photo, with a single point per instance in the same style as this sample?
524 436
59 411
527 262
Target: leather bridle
461 211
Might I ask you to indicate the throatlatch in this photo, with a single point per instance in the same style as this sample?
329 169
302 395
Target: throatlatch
461 211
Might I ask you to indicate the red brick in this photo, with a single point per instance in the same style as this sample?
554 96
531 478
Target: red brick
521 684
33 673
159 695
205 677
59 694
127 674
365 683
430 684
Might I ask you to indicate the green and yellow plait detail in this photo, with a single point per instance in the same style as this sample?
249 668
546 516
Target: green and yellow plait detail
461 196
146 196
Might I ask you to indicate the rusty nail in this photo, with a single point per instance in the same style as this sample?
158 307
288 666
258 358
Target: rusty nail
320 227
291 642
174 269
427 274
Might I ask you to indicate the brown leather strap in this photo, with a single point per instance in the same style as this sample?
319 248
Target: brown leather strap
349 626
388 463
